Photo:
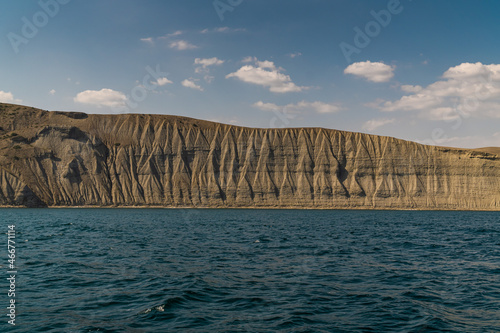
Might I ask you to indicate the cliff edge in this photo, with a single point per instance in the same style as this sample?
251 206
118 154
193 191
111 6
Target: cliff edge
77 159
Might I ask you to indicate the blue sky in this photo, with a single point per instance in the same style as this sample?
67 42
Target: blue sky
422 70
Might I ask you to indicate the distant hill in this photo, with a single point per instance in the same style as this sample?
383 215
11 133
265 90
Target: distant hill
490 150
77 159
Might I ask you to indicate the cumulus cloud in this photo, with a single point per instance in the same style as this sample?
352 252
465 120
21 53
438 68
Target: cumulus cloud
468 70
301 107
189 83
249 59
100 98
181 45
371 71
162 81
203 64
208 62
266 74
411 89
267 106
464 90
373 124
7 97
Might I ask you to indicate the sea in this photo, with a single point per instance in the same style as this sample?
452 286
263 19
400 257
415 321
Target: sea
239 270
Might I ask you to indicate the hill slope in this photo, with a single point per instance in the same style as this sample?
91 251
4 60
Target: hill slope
75 159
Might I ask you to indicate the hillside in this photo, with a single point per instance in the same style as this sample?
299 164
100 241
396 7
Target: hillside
75 159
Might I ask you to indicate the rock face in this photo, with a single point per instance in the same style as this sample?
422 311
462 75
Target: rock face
75 159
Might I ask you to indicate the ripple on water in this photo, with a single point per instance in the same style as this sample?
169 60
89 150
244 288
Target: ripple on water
173 270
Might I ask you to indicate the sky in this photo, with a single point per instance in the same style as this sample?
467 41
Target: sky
425 71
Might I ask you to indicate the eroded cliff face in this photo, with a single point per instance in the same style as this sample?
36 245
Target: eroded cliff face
74 159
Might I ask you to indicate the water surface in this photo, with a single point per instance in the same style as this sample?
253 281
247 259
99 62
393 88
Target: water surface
180 270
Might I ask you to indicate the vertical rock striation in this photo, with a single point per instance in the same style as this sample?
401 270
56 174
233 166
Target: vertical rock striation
74 159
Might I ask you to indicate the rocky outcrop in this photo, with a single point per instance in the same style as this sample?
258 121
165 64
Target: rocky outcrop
75 159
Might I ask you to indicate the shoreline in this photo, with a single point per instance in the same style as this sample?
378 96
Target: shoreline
259 207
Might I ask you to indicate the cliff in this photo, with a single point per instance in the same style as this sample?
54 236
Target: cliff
75 159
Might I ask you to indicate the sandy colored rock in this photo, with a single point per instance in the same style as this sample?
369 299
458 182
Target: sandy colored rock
75 159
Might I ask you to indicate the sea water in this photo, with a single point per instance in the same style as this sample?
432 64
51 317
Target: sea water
216 270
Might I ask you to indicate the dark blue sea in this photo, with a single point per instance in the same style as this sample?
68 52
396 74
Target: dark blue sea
181 270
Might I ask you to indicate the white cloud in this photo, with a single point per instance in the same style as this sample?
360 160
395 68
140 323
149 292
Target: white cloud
267 106
189 83
162 81
471 141
103 97
222 30
373 124
182 45
301 107
52 92
249 59
267 64
374 104
209 78
294 55
7 97
173 34
147 40
208 62
205 63
266 74
319 107
261 64
468 70
465 90
152 40
440 113
411 89
371 71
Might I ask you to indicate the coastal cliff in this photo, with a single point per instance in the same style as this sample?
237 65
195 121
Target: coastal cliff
75 159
